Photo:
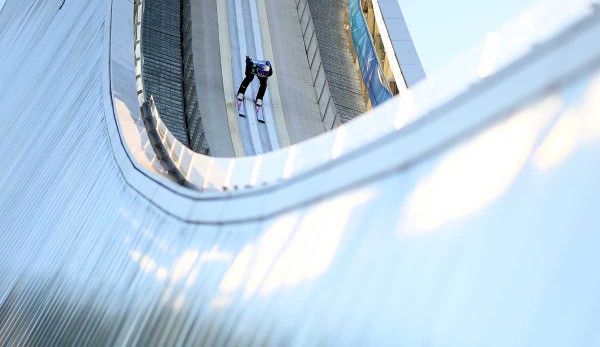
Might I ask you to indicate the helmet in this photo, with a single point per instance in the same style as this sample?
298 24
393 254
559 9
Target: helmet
264 69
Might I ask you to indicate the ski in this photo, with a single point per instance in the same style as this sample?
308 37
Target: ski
240 107
259 114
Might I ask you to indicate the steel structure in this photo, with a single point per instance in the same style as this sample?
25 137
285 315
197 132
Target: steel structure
459 215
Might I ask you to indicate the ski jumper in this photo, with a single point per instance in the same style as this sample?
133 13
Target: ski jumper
254 67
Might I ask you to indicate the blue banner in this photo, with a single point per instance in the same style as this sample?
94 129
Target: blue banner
370 67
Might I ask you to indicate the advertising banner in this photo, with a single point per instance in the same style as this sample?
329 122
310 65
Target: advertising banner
370 66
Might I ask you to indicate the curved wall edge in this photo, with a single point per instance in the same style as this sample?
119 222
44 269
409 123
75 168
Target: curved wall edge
402 127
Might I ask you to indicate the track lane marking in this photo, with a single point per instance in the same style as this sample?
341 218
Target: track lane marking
226 69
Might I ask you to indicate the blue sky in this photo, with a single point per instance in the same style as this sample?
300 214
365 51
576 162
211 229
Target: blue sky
442 29
2 4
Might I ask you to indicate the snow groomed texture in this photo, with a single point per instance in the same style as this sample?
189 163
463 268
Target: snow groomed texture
462 215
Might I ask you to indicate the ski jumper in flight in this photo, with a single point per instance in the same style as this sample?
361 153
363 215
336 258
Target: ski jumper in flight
261 68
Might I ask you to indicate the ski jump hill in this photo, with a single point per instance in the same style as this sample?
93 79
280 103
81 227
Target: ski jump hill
461 214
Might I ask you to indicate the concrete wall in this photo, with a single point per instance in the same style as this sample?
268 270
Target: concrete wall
326 104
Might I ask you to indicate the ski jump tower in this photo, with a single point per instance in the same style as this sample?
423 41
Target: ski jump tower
461 213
